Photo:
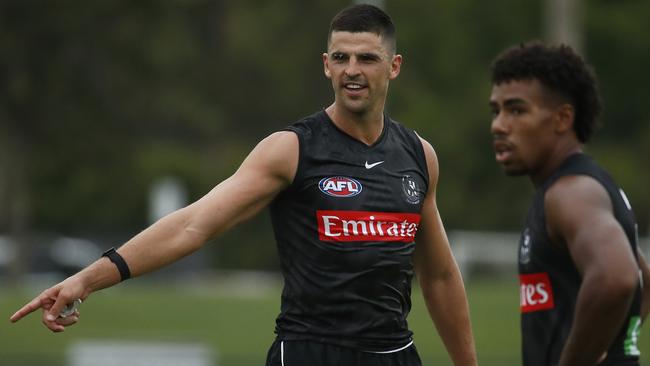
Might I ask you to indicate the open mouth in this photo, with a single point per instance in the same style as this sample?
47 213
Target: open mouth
503 151
354 88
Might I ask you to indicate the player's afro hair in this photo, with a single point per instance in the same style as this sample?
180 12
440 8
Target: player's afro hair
560 70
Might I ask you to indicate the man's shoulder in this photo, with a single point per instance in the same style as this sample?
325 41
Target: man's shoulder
396 124
308 126
579 170
406 133
309 121
400 127
576 164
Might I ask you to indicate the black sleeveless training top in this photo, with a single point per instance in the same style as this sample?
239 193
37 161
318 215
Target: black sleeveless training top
345 233
549 280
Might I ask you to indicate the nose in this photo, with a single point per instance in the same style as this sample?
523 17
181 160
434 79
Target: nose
499 125
352 69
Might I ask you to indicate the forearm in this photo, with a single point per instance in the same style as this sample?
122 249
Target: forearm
447 305
160 244
164 242
592 332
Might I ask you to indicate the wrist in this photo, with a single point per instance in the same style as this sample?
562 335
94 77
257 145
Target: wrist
119 262
101 274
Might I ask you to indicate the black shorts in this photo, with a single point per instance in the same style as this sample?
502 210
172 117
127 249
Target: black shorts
308 353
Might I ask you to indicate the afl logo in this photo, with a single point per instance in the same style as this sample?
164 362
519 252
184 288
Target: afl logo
340 186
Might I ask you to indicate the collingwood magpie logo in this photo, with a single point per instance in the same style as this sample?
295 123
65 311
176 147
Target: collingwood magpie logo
524 247
410 188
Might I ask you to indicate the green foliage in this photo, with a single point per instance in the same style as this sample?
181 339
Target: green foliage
99 99
443 93
617 47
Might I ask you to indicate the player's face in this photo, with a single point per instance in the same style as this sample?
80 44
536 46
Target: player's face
522 126
360 66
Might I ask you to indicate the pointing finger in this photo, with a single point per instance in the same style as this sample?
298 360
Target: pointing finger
32 306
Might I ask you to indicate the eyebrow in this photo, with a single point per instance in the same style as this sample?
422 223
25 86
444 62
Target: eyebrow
508 102
514 101
371 55
366 55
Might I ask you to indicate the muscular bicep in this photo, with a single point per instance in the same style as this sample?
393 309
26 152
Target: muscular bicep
579 214
433 256
267 170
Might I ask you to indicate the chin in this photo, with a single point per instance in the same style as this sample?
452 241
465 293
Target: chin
514 171
356 108
353 103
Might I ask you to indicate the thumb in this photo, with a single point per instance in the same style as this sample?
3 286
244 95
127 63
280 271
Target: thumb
57 307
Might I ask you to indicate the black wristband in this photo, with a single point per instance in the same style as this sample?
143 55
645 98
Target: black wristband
119 262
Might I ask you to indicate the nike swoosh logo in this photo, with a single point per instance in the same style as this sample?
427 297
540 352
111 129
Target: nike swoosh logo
370 166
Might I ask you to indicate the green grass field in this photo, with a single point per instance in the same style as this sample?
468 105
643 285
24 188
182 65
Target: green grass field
238 327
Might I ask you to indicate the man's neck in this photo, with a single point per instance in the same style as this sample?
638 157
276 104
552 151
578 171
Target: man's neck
556 158
364 127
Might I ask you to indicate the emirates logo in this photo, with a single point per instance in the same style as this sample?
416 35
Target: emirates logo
536 293
343 226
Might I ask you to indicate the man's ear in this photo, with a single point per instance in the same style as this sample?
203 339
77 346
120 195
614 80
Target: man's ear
395 66
326 67
565 118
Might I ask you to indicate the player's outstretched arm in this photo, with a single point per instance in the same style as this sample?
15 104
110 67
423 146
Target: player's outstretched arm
579 215
439 277
268 169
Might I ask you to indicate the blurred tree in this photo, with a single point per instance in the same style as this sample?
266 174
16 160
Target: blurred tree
99 99
444 88
619 48
443 93
90 88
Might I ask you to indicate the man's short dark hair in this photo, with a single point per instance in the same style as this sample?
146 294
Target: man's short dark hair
365 18
559 69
